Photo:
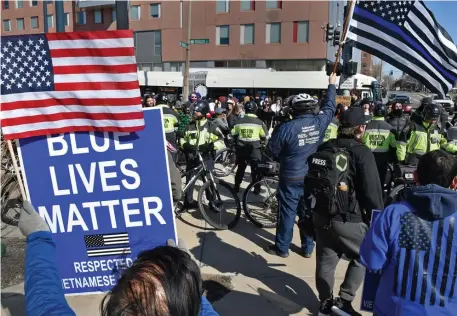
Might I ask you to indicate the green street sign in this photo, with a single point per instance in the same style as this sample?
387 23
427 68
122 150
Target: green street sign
199 41
183 45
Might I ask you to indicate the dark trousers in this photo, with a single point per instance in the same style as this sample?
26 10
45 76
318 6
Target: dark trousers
291 204
192 163
333 241
244 156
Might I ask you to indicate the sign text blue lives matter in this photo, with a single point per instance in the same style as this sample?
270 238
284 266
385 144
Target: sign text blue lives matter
105 197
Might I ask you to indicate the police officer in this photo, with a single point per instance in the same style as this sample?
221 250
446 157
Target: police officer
291 144
248 132
422 136
379 138
332 130
170 120
199 135
398 119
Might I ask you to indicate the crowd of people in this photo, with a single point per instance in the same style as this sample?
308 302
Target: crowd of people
333 175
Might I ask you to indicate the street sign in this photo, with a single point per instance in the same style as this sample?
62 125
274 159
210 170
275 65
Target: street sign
371 282
183 45
199 41
105 196
347 84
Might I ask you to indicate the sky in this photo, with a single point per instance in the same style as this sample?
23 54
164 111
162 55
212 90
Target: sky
446 14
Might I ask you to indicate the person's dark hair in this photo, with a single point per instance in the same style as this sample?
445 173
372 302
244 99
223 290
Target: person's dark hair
164 281
437 167
145 98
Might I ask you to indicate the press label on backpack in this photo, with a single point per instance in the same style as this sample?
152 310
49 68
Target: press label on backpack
320 162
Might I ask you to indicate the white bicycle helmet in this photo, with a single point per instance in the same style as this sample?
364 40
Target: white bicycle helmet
304 102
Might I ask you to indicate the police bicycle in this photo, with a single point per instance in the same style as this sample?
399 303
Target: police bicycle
260 203
402 179
225 159
217 201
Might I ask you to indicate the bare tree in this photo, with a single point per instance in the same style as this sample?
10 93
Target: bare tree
387 81
376 71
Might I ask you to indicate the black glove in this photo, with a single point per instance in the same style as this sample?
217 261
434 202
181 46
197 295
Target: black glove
204 148
189 148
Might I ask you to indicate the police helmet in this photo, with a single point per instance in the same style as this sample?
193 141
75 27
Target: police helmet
380 109
161 98
250 107
304 103
201 106
431 112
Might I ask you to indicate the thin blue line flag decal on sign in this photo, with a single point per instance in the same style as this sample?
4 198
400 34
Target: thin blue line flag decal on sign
406 35
105 196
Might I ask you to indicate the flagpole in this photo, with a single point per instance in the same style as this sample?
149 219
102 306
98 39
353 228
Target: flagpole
17 170
343 36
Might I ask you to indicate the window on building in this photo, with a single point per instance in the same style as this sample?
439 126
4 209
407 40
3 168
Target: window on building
6 25
82 17
301 32
274 4
113 15
222 6
157 43
67 19
33 3
20 23
223 35
98 16
6 4
247 34
273 33
155 10
135 12
19 4
34 22
247 5
50 20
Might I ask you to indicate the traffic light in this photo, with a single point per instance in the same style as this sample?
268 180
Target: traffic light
329 68
336 38
350 68
329 32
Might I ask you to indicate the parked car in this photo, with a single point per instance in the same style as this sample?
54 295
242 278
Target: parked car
446 102
402 98
392 96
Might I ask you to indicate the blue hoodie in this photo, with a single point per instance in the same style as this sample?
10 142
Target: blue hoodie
414 243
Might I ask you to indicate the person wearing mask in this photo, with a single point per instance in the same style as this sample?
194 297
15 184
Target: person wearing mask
248 133
199 135
413 245
367 105
179 102
342 188
379 138
292 143
235 115
398 119
164 271
421 136
148 101
170 120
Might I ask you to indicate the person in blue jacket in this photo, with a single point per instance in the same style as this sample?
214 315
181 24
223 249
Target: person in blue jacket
413 244
291 144
153 275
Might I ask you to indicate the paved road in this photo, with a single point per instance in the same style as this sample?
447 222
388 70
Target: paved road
415 97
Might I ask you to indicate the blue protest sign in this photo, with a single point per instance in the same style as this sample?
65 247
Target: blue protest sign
370 285
105 196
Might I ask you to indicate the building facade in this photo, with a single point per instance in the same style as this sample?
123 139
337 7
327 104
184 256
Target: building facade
366 64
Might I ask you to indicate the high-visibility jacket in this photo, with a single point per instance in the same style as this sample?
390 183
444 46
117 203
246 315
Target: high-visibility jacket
249 131
170 122
332 130
419 139
200 132
378 135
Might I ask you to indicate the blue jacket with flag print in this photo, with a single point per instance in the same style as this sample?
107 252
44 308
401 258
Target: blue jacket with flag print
44 295
414 245
298 138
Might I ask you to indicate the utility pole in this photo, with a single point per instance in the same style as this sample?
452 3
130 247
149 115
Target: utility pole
186 71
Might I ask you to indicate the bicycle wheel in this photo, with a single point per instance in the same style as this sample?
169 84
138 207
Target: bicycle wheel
11 202
396 195
261 208
223 213
224 162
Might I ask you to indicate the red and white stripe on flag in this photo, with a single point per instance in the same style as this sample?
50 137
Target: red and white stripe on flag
66 82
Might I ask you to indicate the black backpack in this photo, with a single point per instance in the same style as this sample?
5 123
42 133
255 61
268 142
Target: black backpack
328 187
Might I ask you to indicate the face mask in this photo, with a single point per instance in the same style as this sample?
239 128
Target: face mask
398 112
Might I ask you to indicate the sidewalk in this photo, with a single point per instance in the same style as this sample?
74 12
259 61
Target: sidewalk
261 284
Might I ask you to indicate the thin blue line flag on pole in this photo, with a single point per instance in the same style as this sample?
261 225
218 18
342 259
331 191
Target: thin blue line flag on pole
406 35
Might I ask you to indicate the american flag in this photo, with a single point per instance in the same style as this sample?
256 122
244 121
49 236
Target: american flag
424 271
65 82
406 35
102 244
